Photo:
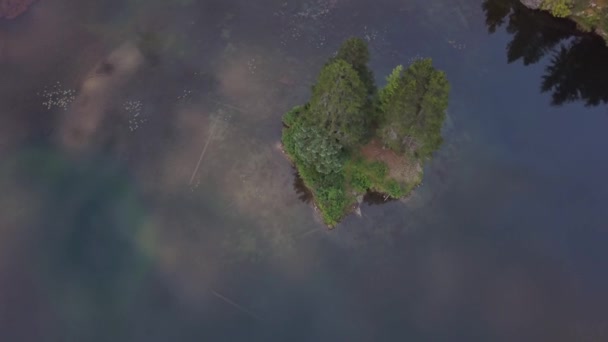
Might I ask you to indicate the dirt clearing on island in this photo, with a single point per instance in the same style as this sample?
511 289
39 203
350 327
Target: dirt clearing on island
404 169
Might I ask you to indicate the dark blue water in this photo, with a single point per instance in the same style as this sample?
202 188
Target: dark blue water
151 202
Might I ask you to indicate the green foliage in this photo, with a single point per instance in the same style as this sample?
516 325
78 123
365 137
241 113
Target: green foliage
289 144
323 137
355 52
433 107
558 8
363 175
337 104
319 162
333 202
590 17
414 105
360 181
587 23
378 170
317 150
290 118
394 189
391 87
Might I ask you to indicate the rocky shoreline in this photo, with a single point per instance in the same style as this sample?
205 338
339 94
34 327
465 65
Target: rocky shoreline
536 5
533 4
10 9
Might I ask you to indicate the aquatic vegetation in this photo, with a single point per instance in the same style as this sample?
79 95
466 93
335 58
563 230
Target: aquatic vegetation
251 65
133 109
89 109
57 96
456 44
371 34
185 95
307 21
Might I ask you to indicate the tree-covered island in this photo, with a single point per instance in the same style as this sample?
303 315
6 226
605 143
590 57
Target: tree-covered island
351 137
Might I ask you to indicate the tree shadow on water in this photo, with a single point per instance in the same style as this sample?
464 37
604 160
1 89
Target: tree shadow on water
577 69
376 198
302 191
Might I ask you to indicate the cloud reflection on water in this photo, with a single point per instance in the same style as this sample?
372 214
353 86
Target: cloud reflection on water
239 229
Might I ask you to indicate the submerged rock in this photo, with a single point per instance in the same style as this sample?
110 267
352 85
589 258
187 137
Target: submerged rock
10 9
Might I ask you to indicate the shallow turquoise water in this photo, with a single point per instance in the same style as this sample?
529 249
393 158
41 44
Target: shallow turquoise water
111 229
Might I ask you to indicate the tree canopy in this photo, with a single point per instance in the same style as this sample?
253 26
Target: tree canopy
335 139
355 52
413 103
337 104
559 8
316 149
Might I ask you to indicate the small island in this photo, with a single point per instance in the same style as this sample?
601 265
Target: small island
352 138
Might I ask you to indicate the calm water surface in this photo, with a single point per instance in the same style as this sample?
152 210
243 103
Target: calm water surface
145 198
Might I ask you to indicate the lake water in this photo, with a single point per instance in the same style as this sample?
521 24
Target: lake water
145 197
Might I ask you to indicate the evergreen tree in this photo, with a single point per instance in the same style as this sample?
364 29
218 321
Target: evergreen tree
432 114
316 150
337 105
392 86
414 104
355 52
